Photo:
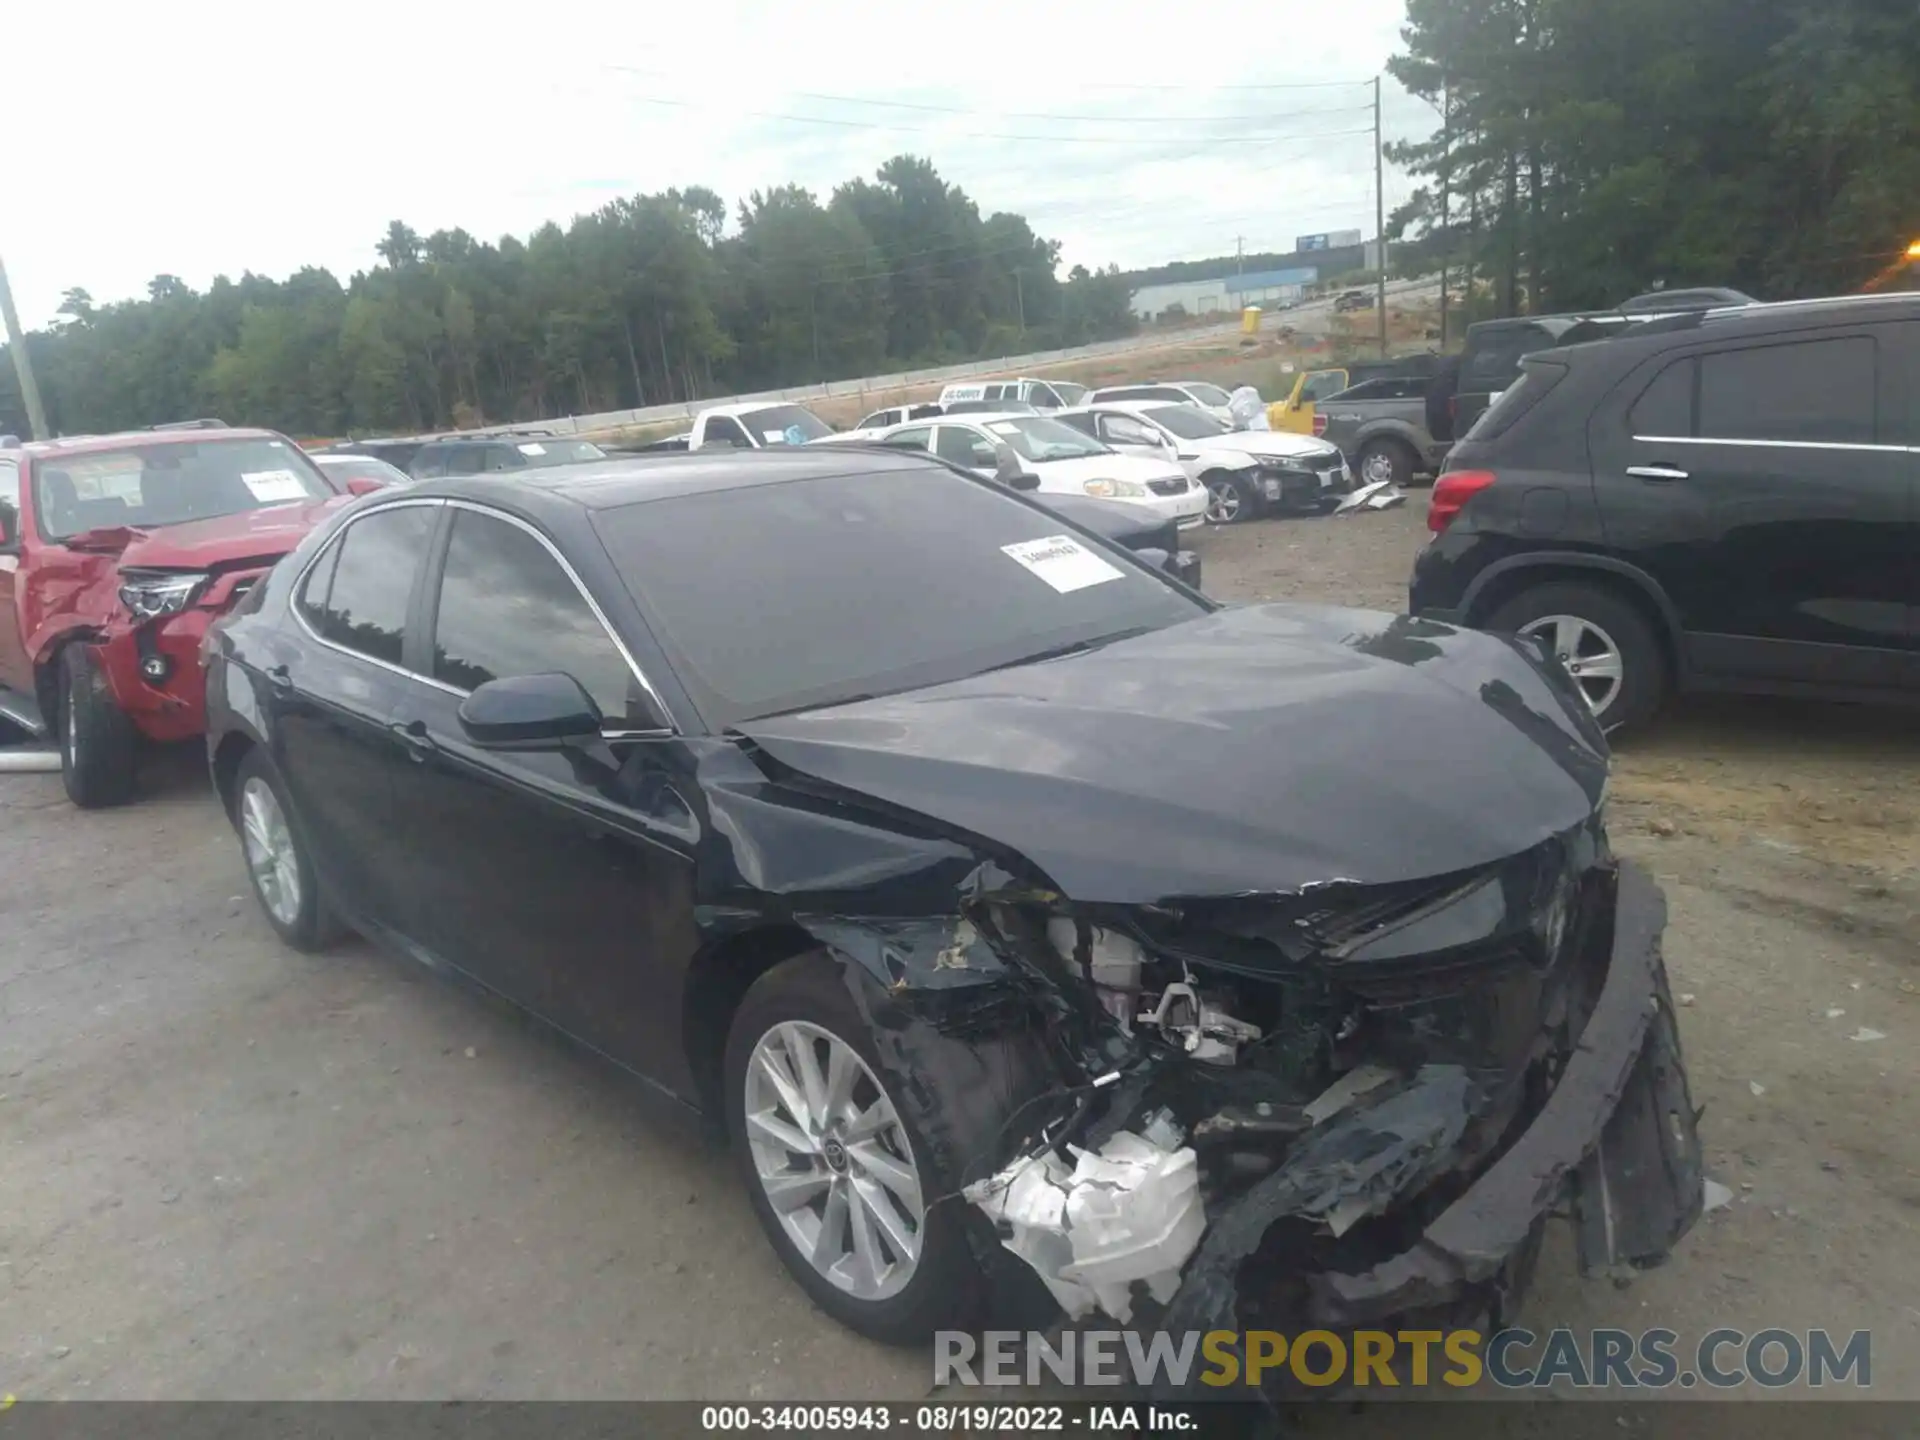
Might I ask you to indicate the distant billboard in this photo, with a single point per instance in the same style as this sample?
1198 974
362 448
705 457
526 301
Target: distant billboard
1331 240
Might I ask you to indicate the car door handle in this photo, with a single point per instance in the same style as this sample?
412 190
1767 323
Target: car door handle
1657 472
280 677
413 734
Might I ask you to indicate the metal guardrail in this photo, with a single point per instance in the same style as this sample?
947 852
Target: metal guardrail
903 380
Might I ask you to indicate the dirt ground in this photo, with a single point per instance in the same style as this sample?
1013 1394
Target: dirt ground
228 1170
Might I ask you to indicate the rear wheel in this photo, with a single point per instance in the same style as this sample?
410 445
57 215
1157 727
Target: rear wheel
838 1167
1386 459
1230 500
1606 644
99 748
278 864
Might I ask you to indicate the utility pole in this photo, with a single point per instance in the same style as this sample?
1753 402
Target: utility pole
1380 218
22 363
1020 301
1239 254
1446 186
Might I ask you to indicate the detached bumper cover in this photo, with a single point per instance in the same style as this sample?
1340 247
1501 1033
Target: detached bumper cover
1619 1119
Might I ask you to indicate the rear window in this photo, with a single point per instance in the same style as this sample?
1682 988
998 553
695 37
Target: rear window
1493 360
785 425
1535 381
782 597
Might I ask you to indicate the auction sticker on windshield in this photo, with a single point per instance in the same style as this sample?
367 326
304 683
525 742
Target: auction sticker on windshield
532 447
1062 562
270 487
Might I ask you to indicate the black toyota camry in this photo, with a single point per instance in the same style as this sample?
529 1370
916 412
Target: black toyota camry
938 849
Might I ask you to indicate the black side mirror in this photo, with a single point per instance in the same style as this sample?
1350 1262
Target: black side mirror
529 712
1006 469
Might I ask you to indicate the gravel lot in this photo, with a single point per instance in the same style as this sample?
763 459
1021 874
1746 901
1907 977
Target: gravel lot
227 1170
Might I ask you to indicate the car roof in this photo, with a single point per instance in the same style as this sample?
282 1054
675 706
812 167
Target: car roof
1655 332
617 482
121 439
969 417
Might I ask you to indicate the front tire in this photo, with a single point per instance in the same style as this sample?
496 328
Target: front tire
1230 499
279 866
99 748
1604 641
839 1168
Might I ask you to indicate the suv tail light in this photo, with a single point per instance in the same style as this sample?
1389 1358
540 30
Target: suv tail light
1450 492
1319 424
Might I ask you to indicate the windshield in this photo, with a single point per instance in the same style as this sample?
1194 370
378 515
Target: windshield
1070 393
1187 422
784 425
539 453
362 467
146 486
771 598
1209 394
1040 439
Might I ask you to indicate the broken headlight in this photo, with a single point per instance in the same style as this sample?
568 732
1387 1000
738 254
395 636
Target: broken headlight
150 594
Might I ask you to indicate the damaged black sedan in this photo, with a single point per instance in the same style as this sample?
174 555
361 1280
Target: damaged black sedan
1014 909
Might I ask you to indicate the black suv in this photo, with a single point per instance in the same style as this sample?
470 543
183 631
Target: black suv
491 454
1715 501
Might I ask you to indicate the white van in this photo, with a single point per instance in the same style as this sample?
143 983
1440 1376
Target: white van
1041 394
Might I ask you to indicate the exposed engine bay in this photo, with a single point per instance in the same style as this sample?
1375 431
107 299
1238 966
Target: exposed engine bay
1339 1106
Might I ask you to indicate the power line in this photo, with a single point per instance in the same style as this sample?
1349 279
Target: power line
998 135
1083 119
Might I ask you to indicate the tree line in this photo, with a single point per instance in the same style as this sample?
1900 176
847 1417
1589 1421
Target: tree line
1587 150
649 300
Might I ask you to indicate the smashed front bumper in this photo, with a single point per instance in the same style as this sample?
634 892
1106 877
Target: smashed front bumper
1616 1136
1418 1182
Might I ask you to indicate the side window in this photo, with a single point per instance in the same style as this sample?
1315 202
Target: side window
507 608
1665 408
366 607
503 457
9 501
1118 430
725 430
1084 423
312 599
429 463
914 439
963 447
1811 391
1320 386
1042 396
877 420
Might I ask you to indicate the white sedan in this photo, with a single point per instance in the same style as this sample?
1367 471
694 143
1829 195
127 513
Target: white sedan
1244 472
1064 460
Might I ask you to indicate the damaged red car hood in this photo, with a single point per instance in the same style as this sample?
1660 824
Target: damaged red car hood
265 535
1262 750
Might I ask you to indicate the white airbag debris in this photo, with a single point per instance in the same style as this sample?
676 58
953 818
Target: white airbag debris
1129 1211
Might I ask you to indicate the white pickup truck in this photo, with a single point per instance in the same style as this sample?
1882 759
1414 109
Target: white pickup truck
755 425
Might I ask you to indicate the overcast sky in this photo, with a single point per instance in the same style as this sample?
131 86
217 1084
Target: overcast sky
197 138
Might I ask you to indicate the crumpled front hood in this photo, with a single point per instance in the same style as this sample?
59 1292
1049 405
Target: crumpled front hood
1282 443
1252 751
264 534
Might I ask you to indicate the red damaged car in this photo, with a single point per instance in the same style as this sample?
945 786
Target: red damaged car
116 553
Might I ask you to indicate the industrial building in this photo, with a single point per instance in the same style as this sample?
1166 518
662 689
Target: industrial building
1228 293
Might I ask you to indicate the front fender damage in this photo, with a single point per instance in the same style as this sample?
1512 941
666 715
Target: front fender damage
1348 1158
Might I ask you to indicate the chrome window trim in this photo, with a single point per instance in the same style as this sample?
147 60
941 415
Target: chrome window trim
566 567
300 582
572 575
1777 444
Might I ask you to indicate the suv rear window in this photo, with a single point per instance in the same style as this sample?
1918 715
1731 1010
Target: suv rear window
1535 381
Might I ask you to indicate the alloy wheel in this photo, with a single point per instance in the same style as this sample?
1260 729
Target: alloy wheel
1223 502
1589 653
271 858
833 1160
